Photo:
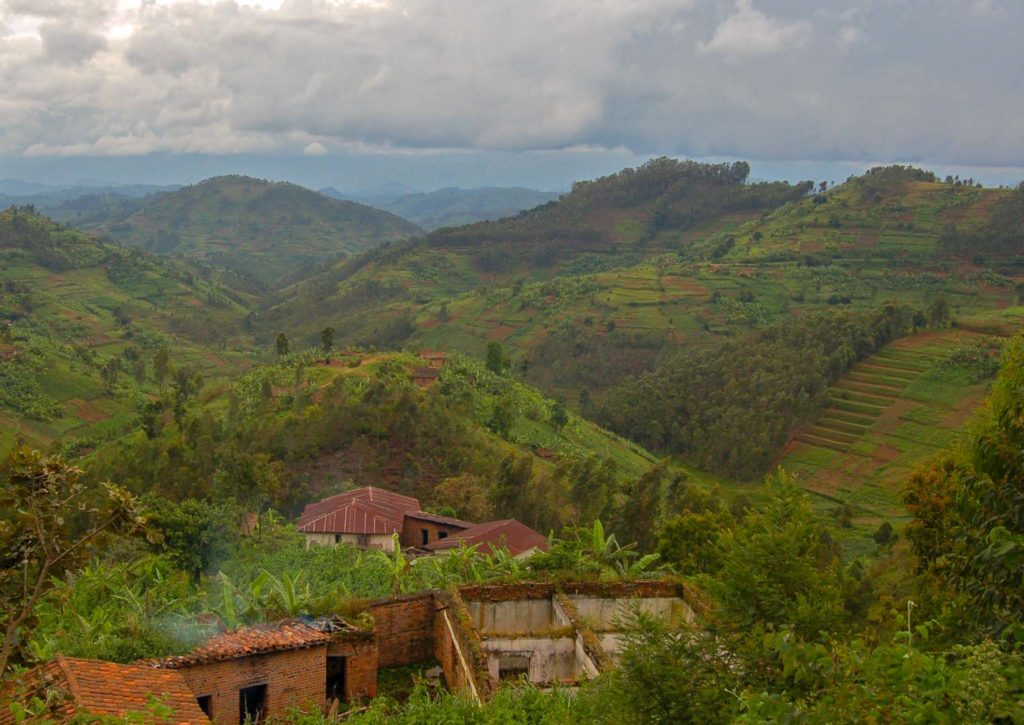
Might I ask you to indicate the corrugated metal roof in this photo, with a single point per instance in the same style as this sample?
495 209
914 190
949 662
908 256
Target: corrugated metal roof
513 535
367 510
435 518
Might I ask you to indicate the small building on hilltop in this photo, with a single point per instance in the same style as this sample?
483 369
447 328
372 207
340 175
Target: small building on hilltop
371 517
79 688
425 377
520 540
433 358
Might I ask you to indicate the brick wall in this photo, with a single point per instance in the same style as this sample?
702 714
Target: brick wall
412 531
360 651
294 678
405 629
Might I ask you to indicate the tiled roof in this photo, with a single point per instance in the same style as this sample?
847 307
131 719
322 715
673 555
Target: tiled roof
432 355
261 639
446 520
365 510
509 533
107 689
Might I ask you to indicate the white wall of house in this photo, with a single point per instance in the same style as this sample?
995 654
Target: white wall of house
374 541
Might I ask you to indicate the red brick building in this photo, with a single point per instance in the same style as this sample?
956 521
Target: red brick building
82 688
256 671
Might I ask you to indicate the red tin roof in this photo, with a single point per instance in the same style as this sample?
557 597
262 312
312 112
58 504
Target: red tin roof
107 689
509 533
261 639
366 510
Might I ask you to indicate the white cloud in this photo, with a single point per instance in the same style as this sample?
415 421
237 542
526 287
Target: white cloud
315 149
121 77
749 32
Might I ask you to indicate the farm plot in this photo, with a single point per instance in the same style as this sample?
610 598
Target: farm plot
889 412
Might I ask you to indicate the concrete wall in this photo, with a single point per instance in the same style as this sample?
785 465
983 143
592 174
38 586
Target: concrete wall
524 616
603 614
294 678
550 660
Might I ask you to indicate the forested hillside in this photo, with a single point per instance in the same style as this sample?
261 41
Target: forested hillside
476 441
89 329
259 229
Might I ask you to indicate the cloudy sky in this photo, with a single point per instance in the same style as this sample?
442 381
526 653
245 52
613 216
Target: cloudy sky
505 91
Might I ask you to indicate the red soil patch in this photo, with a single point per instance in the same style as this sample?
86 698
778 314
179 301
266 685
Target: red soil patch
885 452
85 410
500 332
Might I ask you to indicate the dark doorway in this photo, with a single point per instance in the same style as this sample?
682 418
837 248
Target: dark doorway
206 705
336 678
426 536
252 704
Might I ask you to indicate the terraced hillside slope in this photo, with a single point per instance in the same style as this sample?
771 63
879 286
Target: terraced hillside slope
82 321
603 282
260 229
893 409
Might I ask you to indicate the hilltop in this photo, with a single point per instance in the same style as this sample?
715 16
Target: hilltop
82 320
268 231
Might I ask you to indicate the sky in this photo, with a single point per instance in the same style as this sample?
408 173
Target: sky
353 93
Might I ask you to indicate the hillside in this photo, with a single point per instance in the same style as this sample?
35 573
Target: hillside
81 321
301 429
264 230
892 411
627 266
605 224
452 207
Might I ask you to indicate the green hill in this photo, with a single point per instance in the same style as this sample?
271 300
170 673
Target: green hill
265 230
81 321
481 443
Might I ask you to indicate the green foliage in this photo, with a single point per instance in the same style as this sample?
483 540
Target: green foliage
119 612
969 514
732 407
780 567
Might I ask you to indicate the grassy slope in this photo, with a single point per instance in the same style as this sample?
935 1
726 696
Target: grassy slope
892 410
68 322
258 228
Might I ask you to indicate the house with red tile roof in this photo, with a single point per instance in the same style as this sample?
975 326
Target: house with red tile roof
256 672
80 688
371 517
520 540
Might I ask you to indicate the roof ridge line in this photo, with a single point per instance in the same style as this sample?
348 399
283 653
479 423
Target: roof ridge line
69 675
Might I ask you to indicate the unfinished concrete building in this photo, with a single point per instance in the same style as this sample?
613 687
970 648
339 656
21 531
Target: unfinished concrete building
549 634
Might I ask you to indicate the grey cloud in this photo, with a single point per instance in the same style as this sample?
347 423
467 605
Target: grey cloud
64 43
786 79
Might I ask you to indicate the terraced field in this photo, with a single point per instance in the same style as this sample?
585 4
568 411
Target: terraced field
887 414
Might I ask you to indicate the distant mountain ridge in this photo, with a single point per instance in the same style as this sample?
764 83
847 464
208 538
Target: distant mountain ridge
450 206
265 230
